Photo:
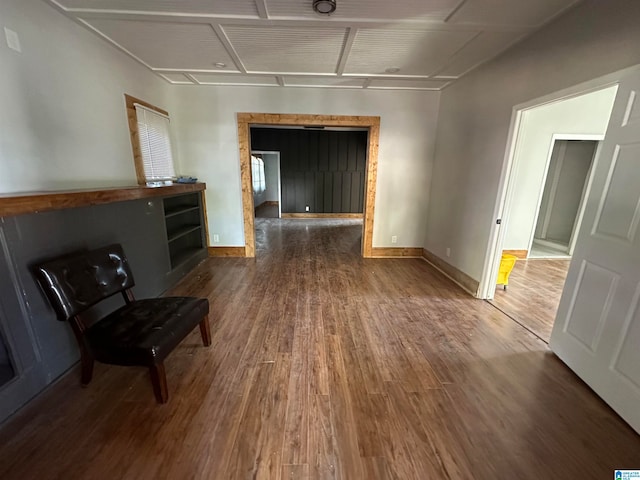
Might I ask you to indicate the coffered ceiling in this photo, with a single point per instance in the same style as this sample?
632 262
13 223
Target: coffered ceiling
375 44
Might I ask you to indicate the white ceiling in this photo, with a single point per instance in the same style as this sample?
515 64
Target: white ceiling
285 43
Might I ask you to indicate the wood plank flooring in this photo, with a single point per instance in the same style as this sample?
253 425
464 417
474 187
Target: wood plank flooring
328 366
533 295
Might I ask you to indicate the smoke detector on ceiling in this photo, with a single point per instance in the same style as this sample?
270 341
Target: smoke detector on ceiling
324 7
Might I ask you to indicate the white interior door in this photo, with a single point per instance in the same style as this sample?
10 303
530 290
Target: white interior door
597 328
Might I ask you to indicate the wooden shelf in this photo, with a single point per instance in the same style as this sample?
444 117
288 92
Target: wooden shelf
184 222
177 211
187 229
34 202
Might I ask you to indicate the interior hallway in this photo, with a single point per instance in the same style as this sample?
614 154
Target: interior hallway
533 295
327 365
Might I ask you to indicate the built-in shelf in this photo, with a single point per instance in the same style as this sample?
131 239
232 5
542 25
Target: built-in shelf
172 236
184 223
179 210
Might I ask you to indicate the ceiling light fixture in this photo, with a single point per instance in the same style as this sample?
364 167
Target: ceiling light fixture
324 7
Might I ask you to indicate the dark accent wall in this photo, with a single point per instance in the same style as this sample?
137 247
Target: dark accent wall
322 169
42 348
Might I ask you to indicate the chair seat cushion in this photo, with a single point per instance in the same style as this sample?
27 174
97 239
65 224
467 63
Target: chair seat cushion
144 332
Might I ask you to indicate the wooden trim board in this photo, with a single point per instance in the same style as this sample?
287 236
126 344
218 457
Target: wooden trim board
226 251
395 252
248 208
244 145
205 217
34 202
322 215
467 283
517 253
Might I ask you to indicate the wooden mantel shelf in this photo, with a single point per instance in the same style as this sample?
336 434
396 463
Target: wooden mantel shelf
34 202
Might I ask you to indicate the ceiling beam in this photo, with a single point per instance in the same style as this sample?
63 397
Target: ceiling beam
192 78
229 47
454 11
399 24
261 5
346 50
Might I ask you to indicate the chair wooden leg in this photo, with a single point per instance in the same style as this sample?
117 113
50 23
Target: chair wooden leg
205 332
86 361
159 382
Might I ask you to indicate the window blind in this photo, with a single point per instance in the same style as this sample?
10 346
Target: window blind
155 144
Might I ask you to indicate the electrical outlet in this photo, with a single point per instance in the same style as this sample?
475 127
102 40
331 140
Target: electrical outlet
216 238
394 239
12 40
448 252
306 209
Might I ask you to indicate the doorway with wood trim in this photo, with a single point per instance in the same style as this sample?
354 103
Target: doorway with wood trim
370 123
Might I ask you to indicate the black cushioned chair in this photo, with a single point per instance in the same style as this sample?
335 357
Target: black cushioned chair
141 332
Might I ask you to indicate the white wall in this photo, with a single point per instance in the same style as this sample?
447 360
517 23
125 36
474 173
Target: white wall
572 179
564 187
591 40
271 176
586 114
63 121
206 127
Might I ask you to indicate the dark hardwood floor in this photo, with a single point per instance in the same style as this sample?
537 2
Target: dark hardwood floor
533 295
325 365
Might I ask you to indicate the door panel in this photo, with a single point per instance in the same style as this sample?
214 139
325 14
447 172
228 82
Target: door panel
588 311
597 328
620 207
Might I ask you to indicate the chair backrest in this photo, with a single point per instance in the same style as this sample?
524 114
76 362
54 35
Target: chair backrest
76 282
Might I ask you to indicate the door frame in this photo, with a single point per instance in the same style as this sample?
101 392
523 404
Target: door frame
554 138
273 152
504 198
245 120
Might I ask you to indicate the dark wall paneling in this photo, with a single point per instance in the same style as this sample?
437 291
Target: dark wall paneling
322 169
43 348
